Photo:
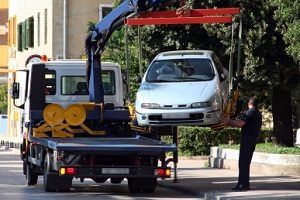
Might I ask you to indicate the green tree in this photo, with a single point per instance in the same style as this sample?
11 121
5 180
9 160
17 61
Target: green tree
268 69
287 15
267 66
3 99
115 51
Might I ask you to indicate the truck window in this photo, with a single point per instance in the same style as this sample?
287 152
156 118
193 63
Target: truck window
71 85
50 82
108 79
76 85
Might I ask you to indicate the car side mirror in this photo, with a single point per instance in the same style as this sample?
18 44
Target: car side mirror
15 91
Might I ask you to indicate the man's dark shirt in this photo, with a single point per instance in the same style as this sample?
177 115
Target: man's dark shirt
253 120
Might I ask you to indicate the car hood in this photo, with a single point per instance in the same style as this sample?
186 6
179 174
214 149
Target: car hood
176 93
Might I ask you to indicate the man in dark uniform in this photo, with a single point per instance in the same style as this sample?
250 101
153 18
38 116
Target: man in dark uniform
250 125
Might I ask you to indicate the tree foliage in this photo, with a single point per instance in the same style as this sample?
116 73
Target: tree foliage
288 24
3 99
270 49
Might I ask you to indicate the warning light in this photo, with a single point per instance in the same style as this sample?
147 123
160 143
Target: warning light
162 172
44 58
68 171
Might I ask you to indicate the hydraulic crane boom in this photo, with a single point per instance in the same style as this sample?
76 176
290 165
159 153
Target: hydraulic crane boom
96 40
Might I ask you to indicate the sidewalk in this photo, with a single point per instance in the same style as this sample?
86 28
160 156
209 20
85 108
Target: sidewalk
215 184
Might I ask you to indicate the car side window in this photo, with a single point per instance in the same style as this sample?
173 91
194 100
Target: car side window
218 65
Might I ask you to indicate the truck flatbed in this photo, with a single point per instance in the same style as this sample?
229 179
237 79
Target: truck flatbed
126 145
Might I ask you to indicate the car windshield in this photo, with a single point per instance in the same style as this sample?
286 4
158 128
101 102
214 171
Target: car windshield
180 70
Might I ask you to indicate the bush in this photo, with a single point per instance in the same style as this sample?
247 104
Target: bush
196 141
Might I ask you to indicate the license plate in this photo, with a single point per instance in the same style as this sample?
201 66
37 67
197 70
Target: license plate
175 115
115 170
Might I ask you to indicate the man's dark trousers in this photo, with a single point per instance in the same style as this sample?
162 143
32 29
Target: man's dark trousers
247 147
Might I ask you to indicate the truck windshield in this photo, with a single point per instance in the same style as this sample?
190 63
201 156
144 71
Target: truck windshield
180 70
76 85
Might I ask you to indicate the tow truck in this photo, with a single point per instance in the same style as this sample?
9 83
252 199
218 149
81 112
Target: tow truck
66 136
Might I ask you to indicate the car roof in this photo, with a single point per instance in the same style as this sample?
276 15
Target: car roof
178 54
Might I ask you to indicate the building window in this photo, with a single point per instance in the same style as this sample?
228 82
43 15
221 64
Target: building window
26 34
20 37
104 9
23 35
45 26
29 32
38 29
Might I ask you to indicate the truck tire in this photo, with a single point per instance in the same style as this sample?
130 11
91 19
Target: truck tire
31 175
24 167
145 185
49 182
52 181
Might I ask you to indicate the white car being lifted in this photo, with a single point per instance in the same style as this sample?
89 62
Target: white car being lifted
187 87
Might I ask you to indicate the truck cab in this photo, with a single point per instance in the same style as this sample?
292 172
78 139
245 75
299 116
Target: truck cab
65 83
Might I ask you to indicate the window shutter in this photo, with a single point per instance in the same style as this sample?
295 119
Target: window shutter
23 34
31 32
26 34
20 37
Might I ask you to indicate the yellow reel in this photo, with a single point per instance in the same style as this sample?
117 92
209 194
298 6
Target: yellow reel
75 114
53 114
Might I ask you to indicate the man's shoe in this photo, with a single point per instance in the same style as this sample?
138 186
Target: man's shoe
240 188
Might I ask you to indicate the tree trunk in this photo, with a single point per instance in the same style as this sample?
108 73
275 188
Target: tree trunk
282 117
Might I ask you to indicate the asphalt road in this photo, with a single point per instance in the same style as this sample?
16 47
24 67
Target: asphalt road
195 181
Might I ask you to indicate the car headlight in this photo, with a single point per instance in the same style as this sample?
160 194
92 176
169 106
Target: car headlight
150 105
201 104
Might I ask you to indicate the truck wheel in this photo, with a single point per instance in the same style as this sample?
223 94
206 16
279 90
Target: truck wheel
24 167
49 182
145 185
31 175
52 181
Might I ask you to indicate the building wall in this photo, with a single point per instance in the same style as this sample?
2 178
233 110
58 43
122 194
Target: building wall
3 56
57 34
3 33
22 10
79 13
78 17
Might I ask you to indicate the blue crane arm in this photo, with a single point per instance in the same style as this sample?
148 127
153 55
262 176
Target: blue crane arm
97 39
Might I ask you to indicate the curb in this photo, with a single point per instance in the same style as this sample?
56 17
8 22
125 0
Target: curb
262 163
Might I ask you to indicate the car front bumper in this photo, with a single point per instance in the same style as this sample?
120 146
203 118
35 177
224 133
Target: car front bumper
159 117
